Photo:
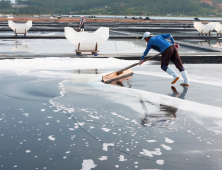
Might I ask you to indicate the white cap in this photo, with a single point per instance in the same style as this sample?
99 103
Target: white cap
147 34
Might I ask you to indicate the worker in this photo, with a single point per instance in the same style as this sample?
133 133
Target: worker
82 21
169 52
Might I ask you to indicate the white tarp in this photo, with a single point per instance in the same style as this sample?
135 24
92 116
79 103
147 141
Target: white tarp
218 28
86 40
204 28
21 28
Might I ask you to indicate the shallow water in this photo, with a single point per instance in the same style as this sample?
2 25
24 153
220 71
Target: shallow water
211 43
157 17
30 33
64 46
57 114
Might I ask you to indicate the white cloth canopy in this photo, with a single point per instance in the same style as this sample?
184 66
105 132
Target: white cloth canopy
218 28
20 28
86 40
204 28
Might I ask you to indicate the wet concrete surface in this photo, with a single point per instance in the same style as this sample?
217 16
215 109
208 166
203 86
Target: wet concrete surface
68 119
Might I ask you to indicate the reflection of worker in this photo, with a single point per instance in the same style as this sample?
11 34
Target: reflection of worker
169 52
82 21
181 95
170 111
173 110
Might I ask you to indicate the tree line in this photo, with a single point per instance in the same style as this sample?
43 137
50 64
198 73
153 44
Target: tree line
118 7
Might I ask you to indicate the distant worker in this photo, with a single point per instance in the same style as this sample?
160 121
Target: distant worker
169 52
82 21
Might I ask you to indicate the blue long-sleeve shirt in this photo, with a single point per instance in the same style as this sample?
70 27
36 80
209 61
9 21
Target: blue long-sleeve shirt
158 43
82 21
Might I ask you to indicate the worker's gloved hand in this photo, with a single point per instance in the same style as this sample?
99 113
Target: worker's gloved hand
140 62
177 46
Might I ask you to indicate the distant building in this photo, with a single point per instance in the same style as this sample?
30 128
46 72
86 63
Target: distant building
19 5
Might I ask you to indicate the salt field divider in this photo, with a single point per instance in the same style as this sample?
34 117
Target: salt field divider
192 58
176 37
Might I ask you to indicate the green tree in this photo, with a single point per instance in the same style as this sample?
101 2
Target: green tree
4 4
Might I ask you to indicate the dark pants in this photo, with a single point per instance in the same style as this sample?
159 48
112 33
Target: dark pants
171 54
82 26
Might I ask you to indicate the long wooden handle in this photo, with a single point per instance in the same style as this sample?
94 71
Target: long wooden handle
133 65
79 27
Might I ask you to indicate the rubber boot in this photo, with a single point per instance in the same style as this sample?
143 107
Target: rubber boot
83 30
185 78
171 72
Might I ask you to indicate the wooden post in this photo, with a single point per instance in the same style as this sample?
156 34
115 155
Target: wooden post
78 46
96 47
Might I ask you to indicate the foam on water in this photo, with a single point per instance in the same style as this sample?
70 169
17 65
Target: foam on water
52 138
27 151
167 140
106 129
88 164
151 153
103 158
166 147
105 146
121 158
160 162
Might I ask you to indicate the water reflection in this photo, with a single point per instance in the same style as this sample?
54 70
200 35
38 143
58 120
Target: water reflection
165 114
21 48
204 43
86 71
120 82
216 44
